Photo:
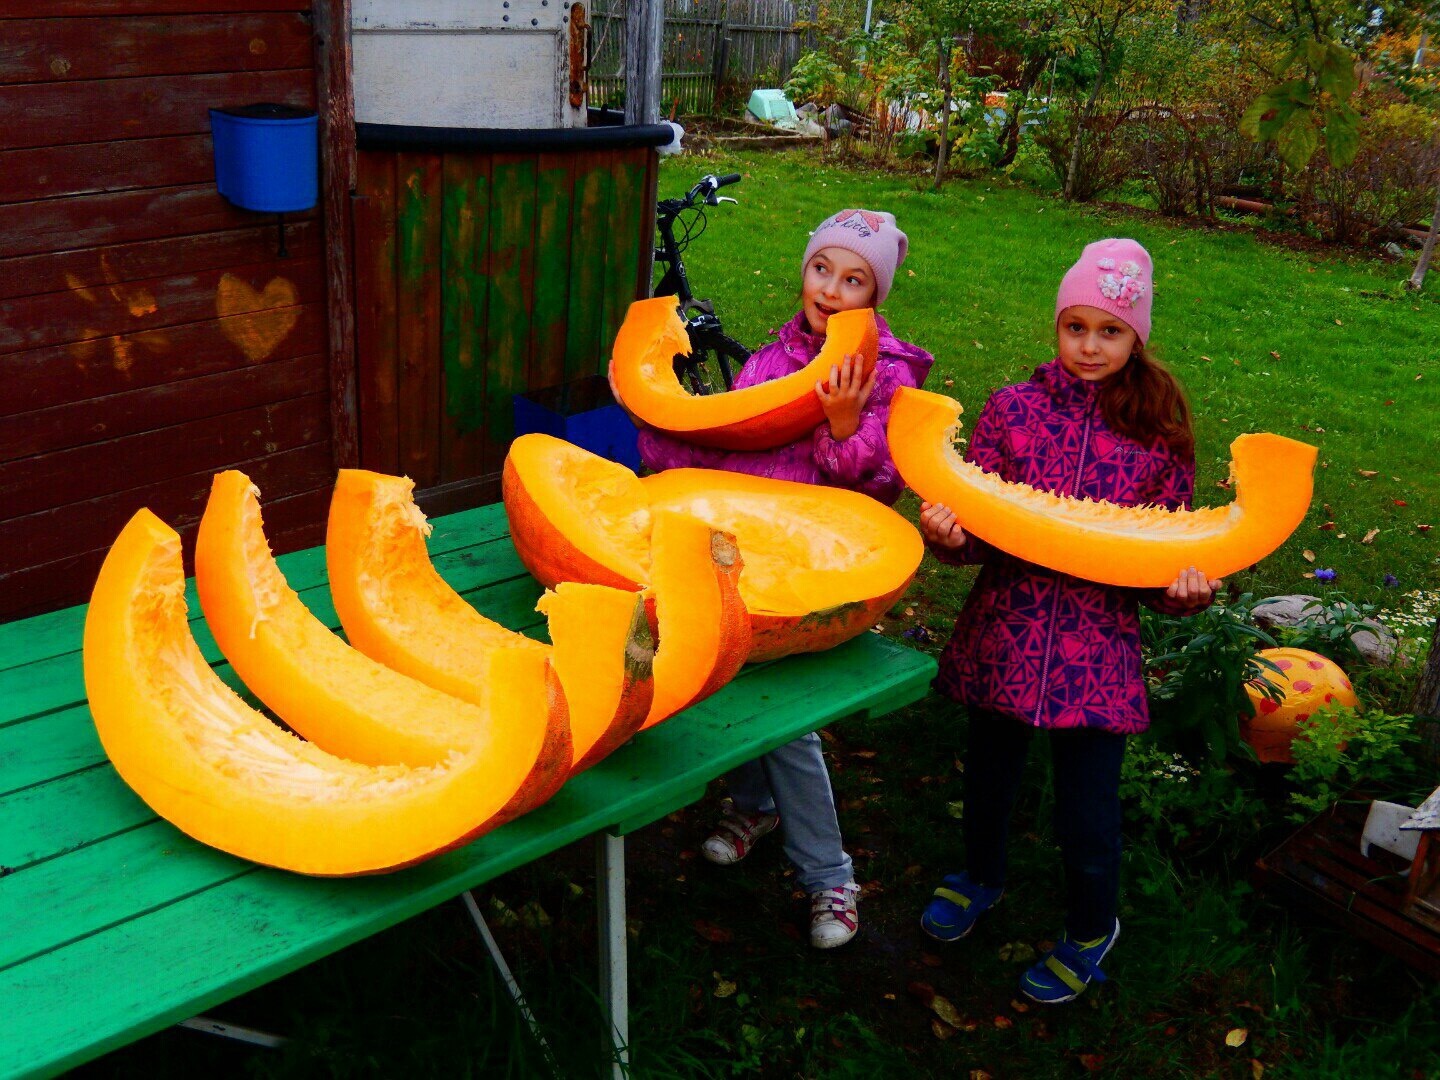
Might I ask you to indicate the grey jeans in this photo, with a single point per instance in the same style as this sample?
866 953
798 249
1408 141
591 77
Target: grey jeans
794 782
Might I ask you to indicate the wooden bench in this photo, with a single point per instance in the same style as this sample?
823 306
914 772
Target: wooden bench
116 925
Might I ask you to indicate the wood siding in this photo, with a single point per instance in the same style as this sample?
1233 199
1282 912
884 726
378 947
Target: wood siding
479 276
149 335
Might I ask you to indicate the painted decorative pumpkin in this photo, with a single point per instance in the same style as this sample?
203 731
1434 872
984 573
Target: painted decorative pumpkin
1143 547
821 564
1310 681
642 376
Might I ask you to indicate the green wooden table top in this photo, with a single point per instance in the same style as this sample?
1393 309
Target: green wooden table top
114 925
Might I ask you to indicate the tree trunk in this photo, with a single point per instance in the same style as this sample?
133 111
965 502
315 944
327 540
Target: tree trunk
1030 73
1417 279
1080 134
1427 698
943 156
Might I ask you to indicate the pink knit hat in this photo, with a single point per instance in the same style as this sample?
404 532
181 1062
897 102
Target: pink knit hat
871 234
1115 276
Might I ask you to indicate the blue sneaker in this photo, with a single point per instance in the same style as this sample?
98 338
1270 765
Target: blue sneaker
956 906
1068 969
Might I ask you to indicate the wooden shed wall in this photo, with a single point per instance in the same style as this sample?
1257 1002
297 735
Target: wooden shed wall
149 335
479 276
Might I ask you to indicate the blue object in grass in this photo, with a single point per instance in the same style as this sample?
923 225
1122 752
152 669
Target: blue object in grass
584 413
1325 575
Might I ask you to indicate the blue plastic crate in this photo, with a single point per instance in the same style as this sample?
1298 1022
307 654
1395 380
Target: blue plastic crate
582 412
267 157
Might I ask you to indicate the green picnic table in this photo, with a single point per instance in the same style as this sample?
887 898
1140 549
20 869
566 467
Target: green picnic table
115 925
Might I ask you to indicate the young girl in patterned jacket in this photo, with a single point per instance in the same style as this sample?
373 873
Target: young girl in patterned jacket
1034 648
850 262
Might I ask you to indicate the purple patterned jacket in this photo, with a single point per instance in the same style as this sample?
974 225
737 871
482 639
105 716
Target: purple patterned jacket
862 462
1049 649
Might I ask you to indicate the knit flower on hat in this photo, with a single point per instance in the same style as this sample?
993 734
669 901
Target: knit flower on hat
1125 286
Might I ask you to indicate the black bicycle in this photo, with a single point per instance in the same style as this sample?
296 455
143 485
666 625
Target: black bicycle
714 356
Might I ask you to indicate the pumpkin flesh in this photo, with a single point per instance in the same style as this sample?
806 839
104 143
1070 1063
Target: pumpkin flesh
1141 547
775 413
821 564
225 774
333 694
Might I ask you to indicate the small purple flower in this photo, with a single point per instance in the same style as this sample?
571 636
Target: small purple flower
1391 581
1325 575
918 634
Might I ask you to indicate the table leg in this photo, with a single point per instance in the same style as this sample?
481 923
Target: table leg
614 966
498 958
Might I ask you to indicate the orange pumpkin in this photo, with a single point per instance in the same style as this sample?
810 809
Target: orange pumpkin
336 696
642 376
398 610
1100 541
821 564
1310 682
227 776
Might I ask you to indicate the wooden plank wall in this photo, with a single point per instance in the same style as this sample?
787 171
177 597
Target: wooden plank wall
479 276
149 335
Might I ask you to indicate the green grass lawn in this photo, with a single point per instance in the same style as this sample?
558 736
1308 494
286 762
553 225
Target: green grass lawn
1321 348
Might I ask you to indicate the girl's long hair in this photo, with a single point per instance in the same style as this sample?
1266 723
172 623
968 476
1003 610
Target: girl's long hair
1145 402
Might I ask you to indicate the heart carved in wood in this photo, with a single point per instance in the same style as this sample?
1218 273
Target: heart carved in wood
256 321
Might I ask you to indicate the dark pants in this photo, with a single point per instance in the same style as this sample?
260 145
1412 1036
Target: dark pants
1087 812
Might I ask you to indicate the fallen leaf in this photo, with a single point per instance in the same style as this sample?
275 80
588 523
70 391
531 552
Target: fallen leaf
863 755
1004 1023
1257 1069
1401 502
1327 526
909 613
1329 514
1341 536
1310 576
1274 354
716 935
1422 528
1223 484
888 996
1019 1006
1092 1062
1369 537
956 809
1369 474
1308 555
940 1029
946 1011
1339 323
949 382
979 1074
1419 377
1019 952
910 272
1207 360
724 987
1236 1036
977 344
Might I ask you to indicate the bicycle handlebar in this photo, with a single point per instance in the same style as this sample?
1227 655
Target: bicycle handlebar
727 179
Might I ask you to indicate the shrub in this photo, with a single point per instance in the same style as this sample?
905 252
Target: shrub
1105 161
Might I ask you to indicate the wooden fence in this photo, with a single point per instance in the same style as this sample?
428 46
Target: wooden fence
748 43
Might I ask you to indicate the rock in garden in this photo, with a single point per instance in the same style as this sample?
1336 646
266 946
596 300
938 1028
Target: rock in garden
1373 640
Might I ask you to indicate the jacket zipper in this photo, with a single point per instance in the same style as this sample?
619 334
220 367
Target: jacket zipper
1055 600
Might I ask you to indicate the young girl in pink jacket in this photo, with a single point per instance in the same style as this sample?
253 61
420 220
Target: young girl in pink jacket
850 262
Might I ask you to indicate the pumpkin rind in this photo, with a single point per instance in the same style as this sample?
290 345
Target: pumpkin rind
822 564
225 774
775 413
397 609
1141 547
330 692
704 632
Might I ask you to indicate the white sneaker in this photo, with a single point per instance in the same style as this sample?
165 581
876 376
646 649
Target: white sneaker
735 835
834 917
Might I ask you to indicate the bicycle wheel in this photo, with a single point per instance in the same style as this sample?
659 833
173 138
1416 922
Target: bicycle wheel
714 360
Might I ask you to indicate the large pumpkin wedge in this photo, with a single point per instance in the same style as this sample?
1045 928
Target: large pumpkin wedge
1135 546
336 696
397 609
642 375
225 774
821 564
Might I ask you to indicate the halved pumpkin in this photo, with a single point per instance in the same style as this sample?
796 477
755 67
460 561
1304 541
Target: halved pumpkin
333 694
821 564
704 636
1144 547
642 375
225 774
398 610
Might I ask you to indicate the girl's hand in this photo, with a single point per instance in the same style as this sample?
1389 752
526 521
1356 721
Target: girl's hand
938 526
845 396
1192 589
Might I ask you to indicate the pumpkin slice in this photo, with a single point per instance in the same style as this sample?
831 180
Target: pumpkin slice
704 633
610 688
225 774
642 375
398 610
333 694
1144 547
821 564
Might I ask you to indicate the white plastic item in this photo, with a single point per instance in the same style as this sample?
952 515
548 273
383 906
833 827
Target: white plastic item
771 105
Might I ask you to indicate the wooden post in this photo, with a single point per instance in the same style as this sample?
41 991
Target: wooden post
644 35
336 96
1426 705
